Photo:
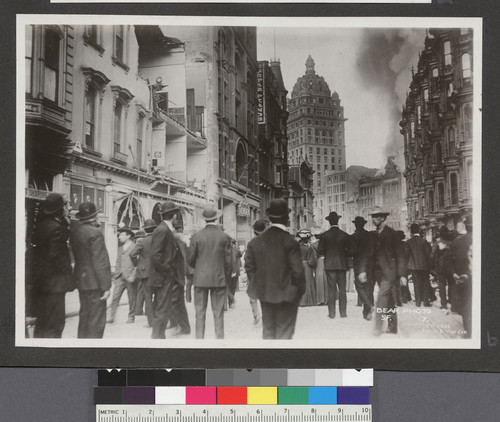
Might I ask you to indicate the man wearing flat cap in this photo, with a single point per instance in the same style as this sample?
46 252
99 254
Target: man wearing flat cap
210 254
165 257
336 245
388 263
51 268
125 276
92 271
363 245
276 274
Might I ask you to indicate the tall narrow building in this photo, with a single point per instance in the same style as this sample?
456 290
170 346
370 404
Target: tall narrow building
316 132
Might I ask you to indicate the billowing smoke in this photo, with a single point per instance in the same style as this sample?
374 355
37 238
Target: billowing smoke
384 64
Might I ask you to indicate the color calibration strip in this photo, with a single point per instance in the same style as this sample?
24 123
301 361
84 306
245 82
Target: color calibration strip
236 377
232 395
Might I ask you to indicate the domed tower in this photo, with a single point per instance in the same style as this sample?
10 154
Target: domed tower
316 132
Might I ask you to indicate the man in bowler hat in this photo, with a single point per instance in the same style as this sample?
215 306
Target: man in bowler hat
164 258
141 257
388 263
363 245
419 265
210 254
125 276
52 267
92 271
336 245
276 274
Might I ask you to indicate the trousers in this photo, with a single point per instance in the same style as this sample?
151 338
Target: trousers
50 315
386 300
120 285
217 299
92 314
337 279
278 320
365 293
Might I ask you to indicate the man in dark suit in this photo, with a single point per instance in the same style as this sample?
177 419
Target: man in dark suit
388 269
276 274
210 254
92 271
362 242
141 257
163 271
51 268
336 245
419 264
461 251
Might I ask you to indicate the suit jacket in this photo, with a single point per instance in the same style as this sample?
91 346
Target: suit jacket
335 245
124 265
210 254
420 254
52 262
163 255
274 267
92 268
460 253
141 256
362 242
388 255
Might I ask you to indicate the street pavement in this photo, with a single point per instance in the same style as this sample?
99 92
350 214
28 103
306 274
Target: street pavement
312 322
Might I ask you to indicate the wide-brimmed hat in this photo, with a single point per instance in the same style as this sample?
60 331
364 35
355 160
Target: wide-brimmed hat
304 234
359 220
139 234
167 206
210 214
53 203
333 216
260 226
278 208
126 230
87 210
149 224
379 211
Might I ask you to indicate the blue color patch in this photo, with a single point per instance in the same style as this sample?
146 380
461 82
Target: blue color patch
322 395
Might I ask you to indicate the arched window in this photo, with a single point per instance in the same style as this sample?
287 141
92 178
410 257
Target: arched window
241 170
466 66
129 213
454 188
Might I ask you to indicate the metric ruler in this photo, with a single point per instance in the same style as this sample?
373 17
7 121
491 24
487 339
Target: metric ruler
232 413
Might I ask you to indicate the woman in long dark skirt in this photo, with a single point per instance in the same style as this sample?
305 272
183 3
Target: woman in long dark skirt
309 297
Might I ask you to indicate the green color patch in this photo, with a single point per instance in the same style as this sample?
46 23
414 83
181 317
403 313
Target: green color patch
293 395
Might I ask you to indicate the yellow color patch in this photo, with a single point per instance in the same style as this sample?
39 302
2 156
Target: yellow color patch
262 395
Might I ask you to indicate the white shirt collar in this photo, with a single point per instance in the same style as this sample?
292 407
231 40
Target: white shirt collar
280 226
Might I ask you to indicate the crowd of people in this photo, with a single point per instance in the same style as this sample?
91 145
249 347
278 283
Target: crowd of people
161 272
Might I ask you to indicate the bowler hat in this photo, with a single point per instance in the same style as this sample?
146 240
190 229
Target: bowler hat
278 208
359 220
139 234
53 203
414 228
378 211
259 226
210 214
86 210
167 206
333 217
126 230
149 224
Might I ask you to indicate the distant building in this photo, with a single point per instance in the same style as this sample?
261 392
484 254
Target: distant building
316 132
300 197
438 131
272 142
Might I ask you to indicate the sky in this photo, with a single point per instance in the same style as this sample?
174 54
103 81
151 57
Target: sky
370 68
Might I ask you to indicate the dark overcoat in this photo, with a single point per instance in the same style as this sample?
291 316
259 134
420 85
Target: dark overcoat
419 254
388 254
362 241
141 256
92 267
52 262
335 245
460 253
210 254
274 267
163 256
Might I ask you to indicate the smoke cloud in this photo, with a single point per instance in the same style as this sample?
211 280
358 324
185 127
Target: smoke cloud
384 61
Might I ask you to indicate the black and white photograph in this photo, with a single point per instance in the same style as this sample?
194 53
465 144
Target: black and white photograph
220 182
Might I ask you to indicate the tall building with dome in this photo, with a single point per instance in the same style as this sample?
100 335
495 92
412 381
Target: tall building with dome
316 133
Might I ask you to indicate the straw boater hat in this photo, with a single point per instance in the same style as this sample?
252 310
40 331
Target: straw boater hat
53 203
86 211
211 214
378 211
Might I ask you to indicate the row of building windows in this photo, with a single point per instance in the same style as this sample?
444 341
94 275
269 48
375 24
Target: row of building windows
313 100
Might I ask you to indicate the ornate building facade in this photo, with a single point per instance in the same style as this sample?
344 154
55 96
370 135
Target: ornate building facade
316 131
438 131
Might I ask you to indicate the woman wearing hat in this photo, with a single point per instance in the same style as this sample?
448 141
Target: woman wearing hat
319 269
309 298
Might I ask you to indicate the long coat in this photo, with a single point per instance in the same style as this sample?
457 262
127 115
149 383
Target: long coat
335 245
124 264
460 253
52 262
141 256
420 254
388 254
274 267
163 256
210 254
363 249
92 268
